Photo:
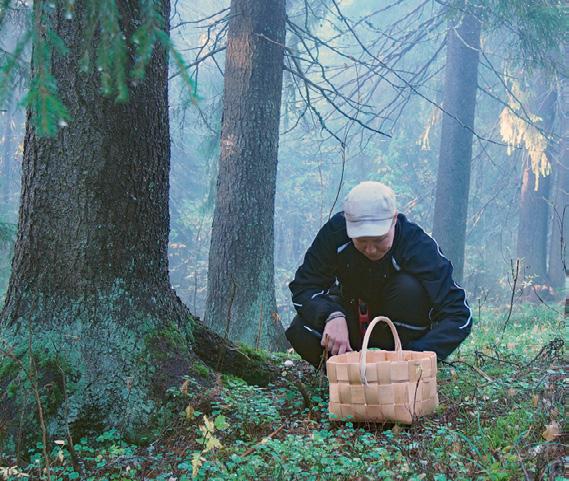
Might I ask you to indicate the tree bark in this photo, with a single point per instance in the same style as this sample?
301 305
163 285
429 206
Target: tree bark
89 285
241 299
560 215
559 224
453 179
534 204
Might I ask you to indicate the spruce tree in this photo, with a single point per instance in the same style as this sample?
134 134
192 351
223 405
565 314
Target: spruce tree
90 320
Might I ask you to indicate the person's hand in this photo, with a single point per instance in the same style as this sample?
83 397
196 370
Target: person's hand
335 337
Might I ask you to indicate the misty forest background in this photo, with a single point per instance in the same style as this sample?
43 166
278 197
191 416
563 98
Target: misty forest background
520 116
137 166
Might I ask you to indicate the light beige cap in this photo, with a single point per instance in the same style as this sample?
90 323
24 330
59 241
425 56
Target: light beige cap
369 209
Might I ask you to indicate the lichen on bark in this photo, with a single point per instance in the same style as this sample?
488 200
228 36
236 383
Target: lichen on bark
115 360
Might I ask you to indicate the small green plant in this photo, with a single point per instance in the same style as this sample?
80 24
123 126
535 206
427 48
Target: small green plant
208 440
248 405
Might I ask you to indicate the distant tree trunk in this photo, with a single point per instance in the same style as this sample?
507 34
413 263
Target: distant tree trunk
297 247
559 221
12 32
7 160
453 180
560 215
241 298
534 204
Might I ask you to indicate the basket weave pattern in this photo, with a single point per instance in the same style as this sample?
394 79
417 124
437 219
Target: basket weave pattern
382 386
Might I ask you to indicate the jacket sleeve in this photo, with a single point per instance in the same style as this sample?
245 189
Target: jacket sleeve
450 315
313 280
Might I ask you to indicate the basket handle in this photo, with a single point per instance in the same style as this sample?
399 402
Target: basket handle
363 354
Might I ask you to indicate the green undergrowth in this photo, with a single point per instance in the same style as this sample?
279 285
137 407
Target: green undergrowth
501 417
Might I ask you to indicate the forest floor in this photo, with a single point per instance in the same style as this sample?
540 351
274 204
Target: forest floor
501 417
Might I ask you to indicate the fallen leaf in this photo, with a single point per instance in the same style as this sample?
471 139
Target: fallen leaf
535 400
185 387
552 431
190 412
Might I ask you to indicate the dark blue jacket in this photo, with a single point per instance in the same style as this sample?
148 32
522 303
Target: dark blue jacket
332 260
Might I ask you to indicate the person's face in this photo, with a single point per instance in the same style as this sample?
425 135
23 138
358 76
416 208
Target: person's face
374 248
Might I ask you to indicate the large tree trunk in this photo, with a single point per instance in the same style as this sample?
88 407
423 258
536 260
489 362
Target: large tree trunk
241 299
534 204
89 296
453 180
89 283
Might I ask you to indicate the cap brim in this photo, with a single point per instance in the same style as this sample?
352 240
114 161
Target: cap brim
368 229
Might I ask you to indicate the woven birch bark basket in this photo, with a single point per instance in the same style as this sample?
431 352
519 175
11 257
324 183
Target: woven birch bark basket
382 386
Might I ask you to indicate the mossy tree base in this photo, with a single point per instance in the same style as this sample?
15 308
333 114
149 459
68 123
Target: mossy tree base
105 362
115 356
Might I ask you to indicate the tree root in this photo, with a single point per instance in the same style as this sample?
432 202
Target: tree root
222 355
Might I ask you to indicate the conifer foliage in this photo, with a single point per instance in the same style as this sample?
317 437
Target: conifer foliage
119 56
